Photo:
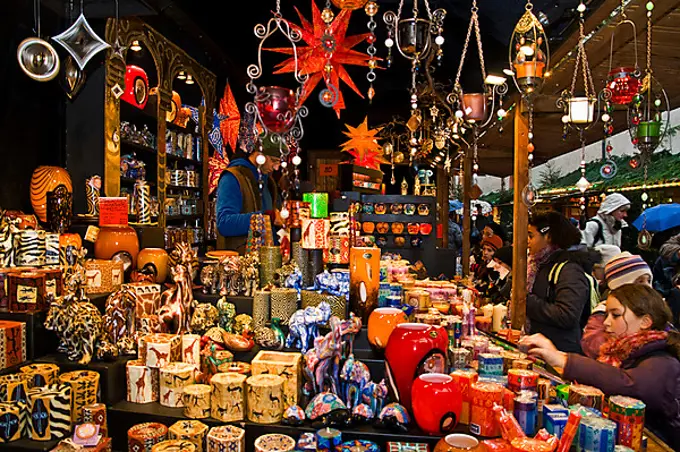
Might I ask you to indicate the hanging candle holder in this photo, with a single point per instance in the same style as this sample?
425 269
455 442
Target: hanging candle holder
649 112
413 38
37 57
277 110
579 111
529 53
529 59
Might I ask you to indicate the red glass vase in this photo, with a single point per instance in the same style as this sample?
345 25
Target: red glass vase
413 349
437 403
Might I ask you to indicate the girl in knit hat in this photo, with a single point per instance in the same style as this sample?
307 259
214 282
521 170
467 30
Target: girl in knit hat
624 268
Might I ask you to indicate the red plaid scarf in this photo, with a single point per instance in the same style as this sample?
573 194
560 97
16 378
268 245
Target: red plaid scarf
617 350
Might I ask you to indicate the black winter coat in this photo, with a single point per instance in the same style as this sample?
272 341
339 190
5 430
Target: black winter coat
559 311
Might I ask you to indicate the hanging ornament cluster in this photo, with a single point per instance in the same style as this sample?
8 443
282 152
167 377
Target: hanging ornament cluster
529 59
413 37
649 111
324 57
371 10
477 109
278 111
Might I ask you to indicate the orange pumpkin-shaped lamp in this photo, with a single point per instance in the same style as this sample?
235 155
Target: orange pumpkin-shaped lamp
44 179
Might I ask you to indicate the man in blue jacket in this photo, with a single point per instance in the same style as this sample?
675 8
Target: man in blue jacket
239 194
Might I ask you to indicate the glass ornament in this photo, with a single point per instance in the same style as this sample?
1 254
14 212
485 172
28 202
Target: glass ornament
81 42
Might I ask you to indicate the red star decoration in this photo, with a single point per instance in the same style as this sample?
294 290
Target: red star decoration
312 58
232 118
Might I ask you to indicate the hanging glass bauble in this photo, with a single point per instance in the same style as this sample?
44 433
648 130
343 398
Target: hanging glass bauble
583 185
277 107
608 169
81 41
530 195
624 84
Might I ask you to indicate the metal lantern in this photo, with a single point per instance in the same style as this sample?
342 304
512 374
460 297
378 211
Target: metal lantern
579 111
529 53
649 112
413 36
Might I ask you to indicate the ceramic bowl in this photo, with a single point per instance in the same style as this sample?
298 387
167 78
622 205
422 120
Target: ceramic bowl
274 442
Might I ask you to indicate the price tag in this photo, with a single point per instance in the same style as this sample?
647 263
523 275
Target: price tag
328 170
113 211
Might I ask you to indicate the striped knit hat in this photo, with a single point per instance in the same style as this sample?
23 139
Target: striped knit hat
625 268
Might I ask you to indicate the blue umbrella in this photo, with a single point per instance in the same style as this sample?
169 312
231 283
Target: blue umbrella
454 205
659 218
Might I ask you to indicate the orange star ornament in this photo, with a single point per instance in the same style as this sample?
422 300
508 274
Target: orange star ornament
312 59
363 145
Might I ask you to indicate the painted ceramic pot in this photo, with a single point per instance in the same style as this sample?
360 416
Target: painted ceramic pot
155 262
381 323
44 180
274 442
69 244
59 209
437 403
458 442
413 349
117 243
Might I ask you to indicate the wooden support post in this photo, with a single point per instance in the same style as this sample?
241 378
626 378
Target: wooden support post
443 201
520 222
467 224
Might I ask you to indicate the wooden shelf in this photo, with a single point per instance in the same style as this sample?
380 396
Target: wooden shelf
179 187
176 128
193 216
176 158
137 147
131 181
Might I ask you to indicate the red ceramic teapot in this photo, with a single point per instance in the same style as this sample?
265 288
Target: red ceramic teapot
437 403
413 349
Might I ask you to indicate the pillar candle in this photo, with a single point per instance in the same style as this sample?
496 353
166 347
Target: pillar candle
318 204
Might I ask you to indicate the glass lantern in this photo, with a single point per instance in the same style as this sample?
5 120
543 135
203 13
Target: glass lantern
414 37
624 84
581 110
529 53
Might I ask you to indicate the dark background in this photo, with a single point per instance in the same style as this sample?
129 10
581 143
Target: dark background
220 36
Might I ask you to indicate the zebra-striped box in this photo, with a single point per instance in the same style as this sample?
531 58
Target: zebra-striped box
27 292
12 343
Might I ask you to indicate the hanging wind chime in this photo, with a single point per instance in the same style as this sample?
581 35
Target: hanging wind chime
529 58
648 122
476 110
621 87
579 110
277 110
413 38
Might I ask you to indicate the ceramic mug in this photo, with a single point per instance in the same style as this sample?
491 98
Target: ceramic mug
458 442
381 323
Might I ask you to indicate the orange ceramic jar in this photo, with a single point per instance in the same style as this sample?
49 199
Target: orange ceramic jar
117 243
458 442
381 323
156 261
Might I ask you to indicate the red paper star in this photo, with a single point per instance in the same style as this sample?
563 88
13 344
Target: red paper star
363 145
312 58
232 118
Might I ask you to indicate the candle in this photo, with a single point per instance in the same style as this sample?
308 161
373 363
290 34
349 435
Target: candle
328 439
499 314
318 204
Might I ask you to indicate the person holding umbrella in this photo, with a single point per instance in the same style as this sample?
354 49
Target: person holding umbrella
605 227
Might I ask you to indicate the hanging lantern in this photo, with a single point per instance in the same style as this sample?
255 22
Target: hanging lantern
579 111
277 108
529 52
649 111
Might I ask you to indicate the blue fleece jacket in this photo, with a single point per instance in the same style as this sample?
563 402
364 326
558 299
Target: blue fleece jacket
230 221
